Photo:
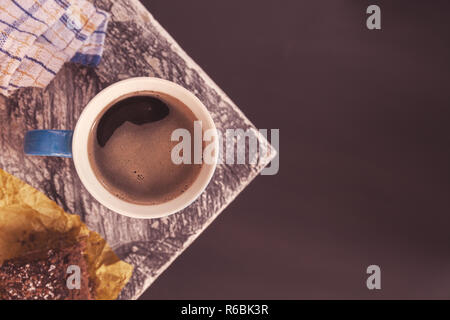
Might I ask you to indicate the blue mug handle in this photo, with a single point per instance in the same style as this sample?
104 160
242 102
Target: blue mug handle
56 143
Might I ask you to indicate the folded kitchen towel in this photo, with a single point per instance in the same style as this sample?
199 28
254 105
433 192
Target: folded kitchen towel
38 36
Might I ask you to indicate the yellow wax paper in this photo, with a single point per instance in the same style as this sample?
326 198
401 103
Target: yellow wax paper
30 221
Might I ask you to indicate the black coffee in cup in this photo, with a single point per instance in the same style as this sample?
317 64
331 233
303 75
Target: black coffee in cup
130 148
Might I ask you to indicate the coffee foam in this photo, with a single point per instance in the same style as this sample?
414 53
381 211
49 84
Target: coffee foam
135 163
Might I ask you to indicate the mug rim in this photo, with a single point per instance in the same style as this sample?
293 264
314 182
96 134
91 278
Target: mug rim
87 120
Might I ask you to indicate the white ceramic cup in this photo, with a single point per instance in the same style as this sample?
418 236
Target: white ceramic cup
83 130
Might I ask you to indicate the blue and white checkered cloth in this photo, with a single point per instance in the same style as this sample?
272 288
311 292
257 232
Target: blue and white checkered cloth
38 36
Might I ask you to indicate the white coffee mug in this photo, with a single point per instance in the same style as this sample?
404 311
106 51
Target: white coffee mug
65 143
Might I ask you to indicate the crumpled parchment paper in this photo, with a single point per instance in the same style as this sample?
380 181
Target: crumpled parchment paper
30 221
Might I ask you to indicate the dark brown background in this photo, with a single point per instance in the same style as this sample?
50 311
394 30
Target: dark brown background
364 177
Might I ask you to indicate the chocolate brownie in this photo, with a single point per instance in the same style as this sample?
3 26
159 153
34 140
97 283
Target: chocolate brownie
44 275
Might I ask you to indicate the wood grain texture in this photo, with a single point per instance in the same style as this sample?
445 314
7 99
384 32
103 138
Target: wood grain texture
136 45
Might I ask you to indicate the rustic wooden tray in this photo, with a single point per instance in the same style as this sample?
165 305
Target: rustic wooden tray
136 45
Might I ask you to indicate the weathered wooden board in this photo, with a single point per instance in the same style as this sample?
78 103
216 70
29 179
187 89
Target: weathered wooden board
136 45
